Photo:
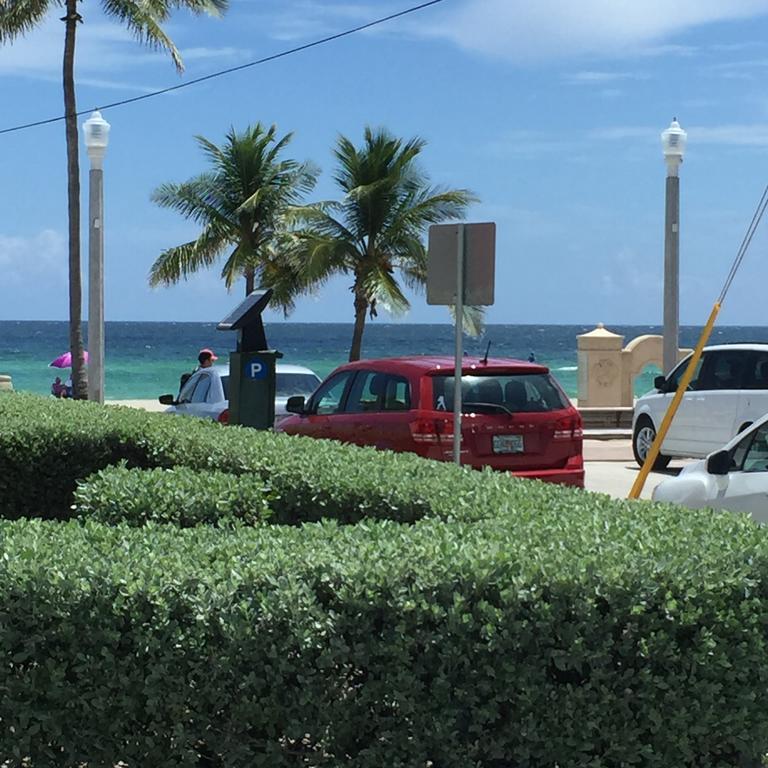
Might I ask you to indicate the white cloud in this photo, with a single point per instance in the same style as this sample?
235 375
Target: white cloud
103 48
740 135
626 275
30 261
530 31
210 54
601 78
621 132
735 135
307 19
527 142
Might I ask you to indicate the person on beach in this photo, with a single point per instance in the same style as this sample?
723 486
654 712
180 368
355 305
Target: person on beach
531 357
205 359
57 388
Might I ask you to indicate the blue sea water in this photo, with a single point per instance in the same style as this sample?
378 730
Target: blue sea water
145 359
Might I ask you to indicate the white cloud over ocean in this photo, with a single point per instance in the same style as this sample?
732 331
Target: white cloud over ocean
36 260
554 29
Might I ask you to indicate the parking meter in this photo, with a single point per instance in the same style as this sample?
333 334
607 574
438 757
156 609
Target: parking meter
252 376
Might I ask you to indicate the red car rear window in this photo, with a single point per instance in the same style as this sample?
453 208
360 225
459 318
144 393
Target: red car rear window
522 392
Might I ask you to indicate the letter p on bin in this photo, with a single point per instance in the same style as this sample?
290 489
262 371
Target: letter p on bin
252 376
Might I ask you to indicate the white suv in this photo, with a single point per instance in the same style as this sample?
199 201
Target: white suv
205 393
728 392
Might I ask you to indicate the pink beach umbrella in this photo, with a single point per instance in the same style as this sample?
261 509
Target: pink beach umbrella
65 360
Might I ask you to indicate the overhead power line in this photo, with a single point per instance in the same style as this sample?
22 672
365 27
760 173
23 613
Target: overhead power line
230 70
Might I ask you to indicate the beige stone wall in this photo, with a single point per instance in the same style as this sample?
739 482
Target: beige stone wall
607 369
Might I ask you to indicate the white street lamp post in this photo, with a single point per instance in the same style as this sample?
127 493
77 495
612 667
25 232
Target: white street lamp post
673 145
96 130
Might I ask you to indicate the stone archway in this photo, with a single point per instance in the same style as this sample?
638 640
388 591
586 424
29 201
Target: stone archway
607 370
641 351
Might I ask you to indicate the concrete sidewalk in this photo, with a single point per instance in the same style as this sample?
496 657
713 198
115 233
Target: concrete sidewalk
610 467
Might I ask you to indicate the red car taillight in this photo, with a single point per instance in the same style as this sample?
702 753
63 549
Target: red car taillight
569 428
430 431
223 417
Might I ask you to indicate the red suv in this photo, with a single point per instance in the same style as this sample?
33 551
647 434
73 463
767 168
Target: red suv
515 416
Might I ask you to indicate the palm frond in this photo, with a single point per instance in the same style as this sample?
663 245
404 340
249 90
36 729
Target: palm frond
380 285
181 261
144 18
17 17
198 199
245 196
472 319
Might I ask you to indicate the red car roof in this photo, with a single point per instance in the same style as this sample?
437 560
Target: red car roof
429 364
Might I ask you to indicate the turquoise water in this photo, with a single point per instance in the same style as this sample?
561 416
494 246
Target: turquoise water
144 360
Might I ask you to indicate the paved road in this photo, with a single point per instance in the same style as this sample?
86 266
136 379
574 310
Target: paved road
610 468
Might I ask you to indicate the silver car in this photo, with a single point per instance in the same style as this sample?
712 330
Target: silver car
734 478
205 393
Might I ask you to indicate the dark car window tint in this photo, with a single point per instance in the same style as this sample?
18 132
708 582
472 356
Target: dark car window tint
289 384
185 396
756 458
329 397
201 390
674 380
757 372
373 391
528 392
723 369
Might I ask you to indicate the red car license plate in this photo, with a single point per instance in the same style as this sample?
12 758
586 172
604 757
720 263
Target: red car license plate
508 444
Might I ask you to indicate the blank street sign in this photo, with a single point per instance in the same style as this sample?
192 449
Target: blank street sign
479 263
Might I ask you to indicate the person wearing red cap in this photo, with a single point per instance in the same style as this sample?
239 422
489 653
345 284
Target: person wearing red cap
206 358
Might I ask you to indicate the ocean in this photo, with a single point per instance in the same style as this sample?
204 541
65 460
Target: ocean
145 359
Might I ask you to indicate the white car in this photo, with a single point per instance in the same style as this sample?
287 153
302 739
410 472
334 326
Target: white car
728 392
205 393
734 478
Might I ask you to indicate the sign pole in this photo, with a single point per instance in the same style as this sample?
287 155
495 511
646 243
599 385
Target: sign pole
459 313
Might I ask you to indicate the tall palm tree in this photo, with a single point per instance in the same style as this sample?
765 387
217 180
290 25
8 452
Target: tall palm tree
376 230
144 19
241 204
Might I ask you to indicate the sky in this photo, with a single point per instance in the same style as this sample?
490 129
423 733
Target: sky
550 112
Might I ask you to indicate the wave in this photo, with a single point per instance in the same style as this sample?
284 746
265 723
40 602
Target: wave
567 368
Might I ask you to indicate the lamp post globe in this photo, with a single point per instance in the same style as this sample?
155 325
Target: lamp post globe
673 142
96 132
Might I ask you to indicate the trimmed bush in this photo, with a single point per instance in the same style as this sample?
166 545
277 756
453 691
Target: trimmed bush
512 624
48 445
182 496
599 640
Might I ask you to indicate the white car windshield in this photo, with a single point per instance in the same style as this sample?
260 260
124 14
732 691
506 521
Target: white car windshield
289 384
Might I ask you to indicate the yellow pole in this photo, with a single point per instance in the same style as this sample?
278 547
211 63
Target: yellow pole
653 452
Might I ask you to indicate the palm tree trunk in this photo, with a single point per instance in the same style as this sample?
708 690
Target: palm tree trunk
361 309
249 281
79 373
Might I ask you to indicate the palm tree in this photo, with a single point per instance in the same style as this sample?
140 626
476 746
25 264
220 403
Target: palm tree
377 229
144 20
241 204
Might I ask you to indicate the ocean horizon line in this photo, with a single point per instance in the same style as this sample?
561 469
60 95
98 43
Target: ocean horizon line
378 323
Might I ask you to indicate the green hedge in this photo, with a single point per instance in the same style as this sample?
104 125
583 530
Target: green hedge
511 624
182 496
48 445
632 636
